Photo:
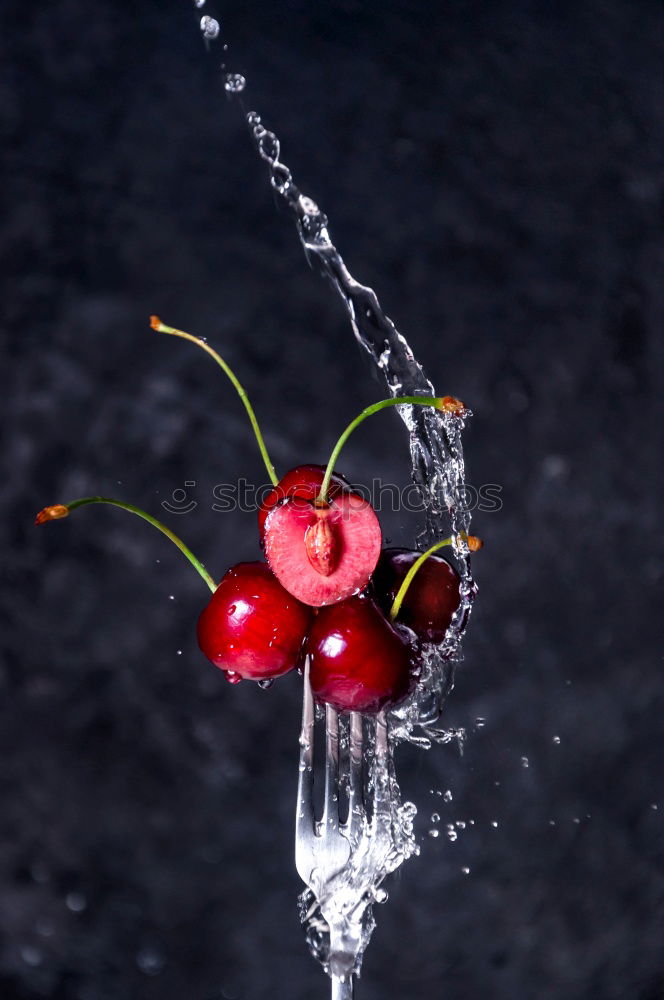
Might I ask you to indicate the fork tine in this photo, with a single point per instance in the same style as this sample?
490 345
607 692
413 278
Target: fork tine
305 781
381 790
356 791
331 808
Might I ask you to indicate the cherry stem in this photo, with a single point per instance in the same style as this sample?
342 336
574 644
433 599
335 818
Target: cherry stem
436 401
408 579
160 327
196 563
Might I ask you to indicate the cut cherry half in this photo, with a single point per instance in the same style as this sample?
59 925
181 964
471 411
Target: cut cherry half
305 482
252 628
359 661
323 553
432 597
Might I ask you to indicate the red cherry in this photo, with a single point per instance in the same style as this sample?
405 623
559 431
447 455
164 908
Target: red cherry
252 627
359 661
323 555
304 481
431 599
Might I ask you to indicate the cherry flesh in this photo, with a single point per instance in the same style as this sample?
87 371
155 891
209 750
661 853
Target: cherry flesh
252 628
359 661
431 599
323 554
303 481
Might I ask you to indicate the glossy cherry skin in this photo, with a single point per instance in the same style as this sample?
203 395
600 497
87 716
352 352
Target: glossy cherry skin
304 481
359 662
252 628
431 599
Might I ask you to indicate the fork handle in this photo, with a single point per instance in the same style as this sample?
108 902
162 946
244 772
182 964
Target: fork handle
342 989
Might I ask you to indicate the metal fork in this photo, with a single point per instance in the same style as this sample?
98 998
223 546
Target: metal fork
326 847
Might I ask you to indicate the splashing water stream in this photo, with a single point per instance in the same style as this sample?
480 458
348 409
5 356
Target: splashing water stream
438 470
342 907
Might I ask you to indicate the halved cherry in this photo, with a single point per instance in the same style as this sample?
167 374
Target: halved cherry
252 628
360 662
323 553
305 482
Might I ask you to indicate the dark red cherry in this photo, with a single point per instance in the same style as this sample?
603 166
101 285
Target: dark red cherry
252 628
322 555
304 481
359 661
431 599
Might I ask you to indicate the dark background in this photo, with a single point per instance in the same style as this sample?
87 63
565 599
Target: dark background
495 171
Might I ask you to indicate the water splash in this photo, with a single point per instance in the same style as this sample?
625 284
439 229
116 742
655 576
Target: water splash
342 908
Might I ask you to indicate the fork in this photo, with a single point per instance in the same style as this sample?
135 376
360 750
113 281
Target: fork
329 854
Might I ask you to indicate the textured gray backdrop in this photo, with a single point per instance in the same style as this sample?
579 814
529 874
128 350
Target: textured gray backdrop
495 171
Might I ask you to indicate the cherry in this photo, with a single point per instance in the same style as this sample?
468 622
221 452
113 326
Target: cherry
305 482
252 628
360 662
432 597
323 552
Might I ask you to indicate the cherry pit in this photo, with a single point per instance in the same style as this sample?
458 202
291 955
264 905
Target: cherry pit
326 590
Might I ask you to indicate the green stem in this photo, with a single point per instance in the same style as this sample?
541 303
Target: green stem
196 563
375 408
160 327
408 579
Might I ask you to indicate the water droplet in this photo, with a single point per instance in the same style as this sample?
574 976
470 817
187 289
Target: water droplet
234 83
76 902
577 820
556 739
654 806
525 762
171 597
267 683
45 926
232 677
460 824
448 796
380 895
199 3
494 824
466 870
480 722
179 652
433 833
209 27
552 822
451 832
157 561
435 818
